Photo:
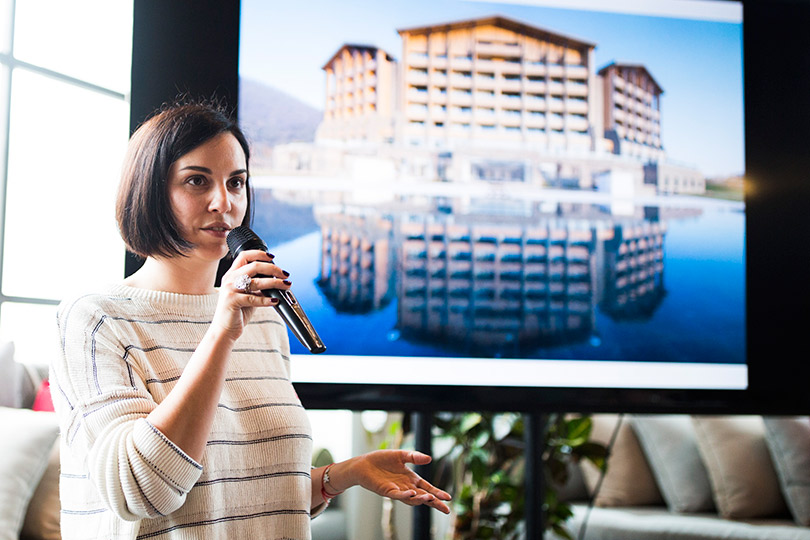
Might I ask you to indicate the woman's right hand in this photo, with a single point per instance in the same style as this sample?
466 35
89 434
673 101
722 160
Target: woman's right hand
236 305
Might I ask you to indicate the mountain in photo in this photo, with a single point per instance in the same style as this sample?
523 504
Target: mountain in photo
270 116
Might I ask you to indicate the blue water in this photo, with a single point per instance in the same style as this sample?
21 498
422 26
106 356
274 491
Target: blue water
700 319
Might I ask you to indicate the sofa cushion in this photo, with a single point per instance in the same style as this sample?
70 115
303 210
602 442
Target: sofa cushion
651 523
741 471
670 445
788 439
42 519
26 441
628 480
9 376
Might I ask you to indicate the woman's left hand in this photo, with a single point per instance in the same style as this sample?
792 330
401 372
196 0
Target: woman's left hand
385 472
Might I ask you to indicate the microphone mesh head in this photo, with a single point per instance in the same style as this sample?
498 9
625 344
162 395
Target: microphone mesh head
243 238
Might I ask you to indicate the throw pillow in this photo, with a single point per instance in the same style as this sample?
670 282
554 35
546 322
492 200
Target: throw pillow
42 519
741 472
8 375
26 441
628 480
670 445
788 439
574 489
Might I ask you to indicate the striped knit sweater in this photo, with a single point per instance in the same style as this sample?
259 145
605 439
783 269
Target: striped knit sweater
121 352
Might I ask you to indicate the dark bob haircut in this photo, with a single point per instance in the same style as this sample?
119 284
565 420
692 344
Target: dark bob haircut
143 210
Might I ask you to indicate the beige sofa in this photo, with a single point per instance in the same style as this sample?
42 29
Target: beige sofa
697 478
29 456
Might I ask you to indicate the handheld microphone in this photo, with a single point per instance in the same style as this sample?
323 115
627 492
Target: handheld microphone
241 239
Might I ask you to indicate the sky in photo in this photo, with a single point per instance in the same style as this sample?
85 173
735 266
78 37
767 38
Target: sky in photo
697 62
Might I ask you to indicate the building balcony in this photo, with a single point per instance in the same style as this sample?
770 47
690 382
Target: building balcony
417 59
484 82
487 65
458 115
485 100
556 70
438 114
511 85
577 123
416 77
499 49
485 130
555 122
534 104
535 121
438 79
509 119
576 106
485 117
461 81
618 82
643 94
618 98
508 101
510 68
576 89
438 96
556 88
438 60
576 72
460 98
537 87
556 105
461 63
535 69
417 96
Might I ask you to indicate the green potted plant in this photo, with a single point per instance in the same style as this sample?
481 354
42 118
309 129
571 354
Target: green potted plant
481 461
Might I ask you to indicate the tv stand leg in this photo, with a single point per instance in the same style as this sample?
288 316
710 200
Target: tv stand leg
423 442
535 424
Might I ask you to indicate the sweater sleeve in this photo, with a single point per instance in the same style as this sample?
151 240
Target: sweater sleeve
101 400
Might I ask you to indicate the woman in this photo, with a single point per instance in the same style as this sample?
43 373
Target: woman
177 415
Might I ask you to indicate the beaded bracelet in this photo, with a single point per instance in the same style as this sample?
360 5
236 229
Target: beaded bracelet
325 480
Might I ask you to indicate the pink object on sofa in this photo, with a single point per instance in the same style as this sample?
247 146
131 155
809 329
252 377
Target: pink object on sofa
43 401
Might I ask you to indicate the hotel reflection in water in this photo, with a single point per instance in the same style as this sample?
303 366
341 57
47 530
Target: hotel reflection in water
494 286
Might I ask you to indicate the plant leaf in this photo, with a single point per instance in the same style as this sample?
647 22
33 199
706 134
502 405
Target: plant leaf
469 421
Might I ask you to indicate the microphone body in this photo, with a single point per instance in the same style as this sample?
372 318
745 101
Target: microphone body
242 239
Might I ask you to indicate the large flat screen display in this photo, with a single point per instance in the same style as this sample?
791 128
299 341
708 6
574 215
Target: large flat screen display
504 194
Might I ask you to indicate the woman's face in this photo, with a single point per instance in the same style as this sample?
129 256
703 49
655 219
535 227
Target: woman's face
208 194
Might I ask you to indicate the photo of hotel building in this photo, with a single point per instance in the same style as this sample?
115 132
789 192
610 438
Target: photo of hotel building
489 188
494 99
493 288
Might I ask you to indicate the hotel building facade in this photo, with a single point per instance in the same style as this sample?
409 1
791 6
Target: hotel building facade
494 98
495 80
360 95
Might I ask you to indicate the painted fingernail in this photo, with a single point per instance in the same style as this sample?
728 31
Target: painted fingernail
286 274
271 255
287 282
